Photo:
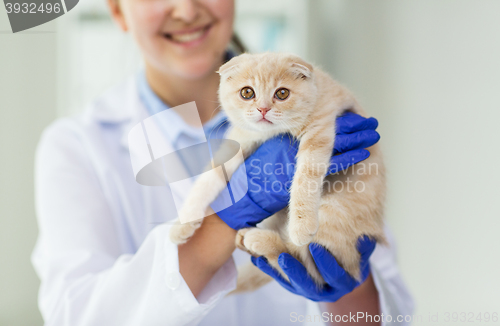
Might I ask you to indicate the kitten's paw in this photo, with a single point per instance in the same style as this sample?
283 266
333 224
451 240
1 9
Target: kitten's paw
239 241
302 230
181 233
256 242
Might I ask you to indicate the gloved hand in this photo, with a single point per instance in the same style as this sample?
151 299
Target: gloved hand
338 282
269 170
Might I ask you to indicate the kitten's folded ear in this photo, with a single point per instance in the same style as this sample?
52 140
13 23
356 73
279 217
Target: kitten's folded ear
226 69
301 68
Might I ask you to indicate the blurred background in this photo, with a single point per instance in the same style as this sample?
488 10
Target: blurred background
428 70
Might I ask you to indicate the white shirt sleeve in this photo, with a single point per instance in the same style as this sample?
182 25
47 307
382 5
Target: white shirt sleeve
396 303
87 275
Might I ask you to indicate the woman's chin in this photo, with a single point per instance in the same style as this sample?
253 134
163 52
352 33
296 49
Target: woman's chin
196 69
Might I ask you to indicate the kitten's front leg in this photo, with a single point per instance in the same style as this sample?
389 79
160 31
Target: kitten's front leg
194 209
206 189
313 159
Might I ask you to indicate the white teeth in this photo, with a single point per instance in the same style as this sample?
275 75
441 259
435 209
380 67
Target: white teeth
188 37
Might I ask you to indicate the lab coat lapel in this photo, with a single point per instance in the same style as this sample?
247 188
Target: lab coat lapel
139 115
122 106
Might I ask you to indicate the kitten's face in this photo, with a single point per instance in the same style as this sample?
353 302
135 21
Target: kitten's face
267 92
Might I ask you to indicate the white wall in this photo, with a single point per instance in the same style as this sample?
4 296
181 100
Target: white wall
429 70
27 105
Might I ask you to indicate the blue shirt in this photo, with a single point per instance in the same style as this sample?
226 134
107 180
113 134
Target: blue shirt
179 133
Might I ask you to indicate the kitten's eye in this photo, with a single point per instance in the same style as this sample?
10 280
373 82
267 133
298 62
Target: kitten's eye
282 94
247 93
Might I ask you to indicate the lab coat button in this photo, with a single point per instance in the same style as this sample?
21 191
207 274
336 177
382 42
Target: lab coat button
172 280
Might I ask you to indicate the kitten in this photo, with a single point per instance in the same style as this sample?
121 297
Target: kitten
268 94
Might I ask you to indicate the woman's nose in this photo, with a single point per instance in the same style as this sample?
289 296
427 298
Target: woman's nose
185 10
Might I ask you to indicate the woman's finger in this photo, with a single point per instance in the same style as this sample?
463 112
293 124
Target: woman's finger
360 139
263 265
329 268
297 273
343 161
352 122
365 246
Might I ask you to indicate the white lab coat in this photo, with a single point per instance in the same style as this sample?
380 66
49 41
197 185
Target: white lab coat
103 253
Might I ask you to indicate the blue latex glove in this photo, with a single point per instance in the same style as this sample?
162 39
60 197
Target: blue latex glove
338 282
269 170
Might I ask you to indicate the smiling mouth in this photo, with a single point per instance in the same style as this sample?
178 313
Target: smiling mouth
188 36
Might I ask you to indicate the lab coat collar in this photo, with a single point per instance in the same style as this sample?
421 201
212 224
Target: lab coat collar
116 105
121 107
175 126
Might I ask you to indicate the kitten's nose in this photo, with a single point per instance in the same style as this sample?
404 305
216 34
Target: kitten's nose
263 111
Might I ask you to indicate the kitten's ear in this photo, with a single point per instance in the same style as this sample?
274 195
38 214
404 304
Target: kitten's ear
226 69
302 69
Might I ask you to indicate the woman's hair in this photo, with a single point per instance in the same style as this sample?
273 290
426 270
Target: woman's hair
236 45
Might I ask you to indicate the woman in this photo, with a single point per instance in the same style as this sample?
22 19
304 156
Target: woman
104 254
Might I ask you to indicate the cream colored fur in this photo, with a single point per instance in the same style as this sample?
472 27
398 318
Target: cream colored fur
322 214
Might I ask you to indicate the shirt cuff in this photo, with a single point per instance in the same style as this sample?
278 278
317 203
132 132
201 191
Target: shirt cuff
223 282
394 299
